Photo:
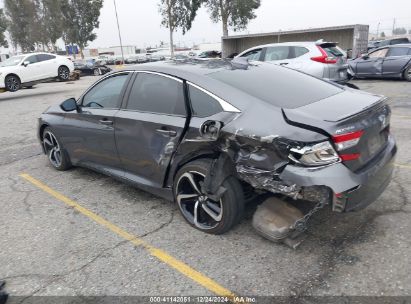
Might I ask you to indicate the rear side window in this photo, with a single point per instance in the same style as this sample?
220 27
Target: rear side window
202 104
105 94
278 53
157 94
299 51
45 57
281 87
398 51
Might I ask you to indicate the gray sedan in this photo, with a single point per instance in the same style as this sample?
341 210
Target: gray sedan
388 62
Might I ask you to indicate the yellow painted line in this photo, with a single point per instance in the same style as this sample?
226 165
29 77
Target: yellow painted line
161 255
403 166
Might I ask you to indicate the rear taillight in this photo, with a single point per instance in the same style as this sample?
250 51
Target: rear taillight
346 141
324 58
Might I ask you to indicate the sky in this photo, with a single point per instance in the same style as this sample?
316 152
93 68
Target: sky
140 19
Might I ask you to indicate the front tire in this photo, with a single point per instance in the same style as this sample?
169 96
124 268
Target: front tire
407 74
201 212
56 154
97 72
12 83
63 73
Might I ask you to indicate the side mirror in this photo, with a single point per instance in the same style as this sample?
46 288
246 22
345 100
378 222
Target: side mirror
69 105
26 63
365 56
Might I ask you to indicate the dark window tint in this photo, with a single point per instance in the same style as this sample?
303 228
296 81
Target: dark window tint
299 51
203 105
105 94
333 51
157 94
32 59
44 57
253 55
280 87
398 51
278 53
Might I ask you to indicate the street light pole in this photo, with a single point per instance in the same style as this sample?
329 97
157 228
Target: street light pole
119 34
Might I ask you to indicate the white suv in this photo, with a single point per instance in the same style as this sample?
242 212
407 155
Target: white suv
26 70
320 59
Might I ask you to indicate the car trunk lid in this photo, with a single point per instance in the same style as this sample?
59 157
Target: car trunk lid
349 117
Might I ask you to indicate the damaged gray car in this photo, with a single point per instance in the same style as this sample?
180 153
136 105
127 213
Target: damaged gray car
211 135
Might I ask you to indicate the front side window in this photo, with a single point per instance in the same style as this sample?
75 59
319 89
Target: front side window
379 54
253 55
278 53
202 104
32 59
157 94
106 94
398 51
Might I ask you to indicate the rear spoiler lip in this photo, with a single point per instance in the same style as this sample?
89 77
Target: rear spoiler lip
382 101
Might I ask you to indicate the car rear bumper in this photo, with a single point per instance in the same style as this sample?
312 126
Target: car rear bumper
352 190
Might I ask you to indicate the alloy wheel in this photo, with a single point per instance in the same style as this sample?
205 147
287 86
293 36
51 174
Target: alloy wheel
97 72
196 206
12 84
52 148
64 73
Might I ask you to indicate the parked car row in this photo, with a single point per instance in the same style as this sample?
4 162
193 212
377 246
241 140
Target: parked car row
328 61
29 69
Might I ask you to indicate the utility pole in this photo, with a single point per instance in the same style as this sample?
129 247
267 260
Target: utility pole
393 27
119 34
378 29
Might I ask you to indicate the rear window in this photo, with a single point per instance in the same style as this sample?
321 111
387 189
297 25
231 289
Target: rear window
278 86
398 51
333 51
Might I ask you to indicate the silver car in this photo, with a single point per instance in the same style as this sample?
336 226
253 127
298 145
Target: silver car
320 59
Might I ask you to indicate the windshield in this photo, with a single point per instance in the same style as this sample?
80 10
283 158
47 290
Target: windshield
12 61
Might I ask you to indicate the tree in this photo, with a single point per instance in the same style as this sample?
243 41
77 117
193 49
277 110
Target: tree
399 31
233 13
382 35
3 28
51 19
178 14
21 15
80 20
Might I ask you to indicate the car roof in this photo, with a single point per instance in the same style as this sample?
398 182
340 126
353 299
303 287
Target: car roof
304 43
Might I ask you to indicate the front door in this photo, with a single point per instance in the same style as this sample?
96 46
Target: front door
371 65
150 126
89 133
396 61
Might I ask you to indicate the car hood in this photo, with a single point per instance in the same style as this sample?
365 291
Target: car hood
7 69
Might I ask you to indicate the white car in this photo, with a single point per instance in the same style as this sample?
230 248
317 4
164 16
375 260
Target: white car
29 69
320 59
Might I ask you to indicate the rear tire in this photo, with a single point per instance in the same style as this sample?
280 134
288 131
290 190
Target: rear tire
63 73
97 72
12 83
199 210
56 154
407 74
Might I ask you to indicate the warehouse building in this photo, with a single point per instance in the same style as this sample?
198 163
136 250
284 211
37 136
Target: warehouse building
349 37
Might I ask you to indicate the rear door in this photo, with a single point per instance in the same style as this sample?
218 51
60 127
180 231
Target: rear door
48 65
396 61
371 65
149 127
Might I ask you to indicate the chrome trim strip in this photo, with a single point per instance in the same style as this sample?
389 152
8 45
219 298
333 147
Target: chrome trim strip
160 74
227 107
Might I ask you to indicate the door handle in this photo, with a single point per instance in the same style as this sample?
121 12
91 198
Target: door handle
283 63
170 133
106 122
